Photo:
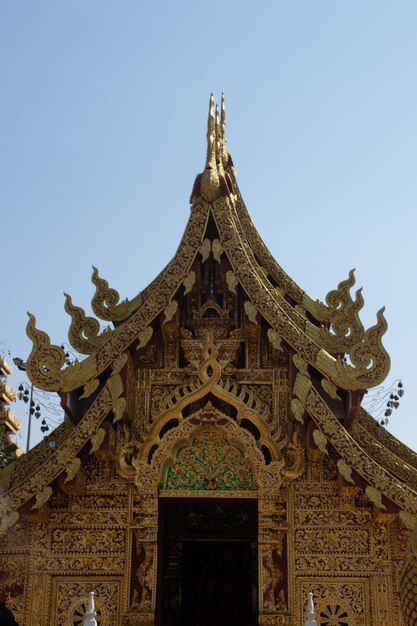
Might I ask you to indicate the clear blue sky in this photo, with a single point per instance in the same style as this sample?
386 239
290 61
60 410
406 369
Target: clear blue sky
102 123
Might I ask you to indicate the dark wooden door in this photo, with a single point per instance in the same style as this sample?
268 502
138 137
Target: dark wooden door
208 574
217 583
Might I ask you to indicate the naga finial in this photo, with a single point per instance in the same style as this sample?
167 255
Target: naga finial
223 150
84 332
211 135
210 184
218 135
106 301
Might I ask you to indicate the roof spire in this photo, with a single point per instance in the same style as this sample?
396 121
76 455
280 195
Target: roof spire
217 132
210 184
222 137
211 136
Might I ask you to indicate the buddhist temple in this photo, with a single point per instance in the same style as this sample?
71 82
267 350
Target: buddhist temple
215 466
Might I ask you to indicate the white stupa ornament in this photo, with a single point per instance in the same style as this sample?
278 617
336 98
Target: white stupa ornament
90 616
310 615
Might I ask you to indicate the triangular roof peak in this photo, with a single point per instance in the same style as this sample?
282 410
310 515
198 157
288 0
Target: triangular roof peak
328 336
207 321
213 181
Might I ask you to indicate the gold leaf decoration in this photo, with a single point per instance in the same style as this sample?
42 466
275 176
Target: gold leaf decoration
275 339
105 302
210 183
320 440
251 311
46 360
116 386
144 337
408 519
297 410
72 470
205 250
7 521
119 363
343 332
330 388
345 470
369 358
342 314
408 581
232 281
119 408
97 439
42 498
301 364
189 282
300 310
170 311
217 248
84 332
90 388
374 496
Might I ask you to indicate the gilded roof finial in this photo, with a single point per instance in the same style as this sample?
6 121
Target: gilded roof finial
210 185
211 136
218 135
222 136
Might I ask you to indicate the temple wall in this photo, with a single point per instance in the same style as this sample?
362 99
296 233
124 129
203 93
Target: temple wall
314 535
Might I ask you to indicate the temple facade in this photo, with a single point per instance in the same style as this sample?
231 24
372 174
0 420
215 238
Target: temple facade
215 464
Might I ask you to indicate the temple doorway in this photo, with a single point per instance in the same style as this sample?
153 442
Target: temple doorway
208 563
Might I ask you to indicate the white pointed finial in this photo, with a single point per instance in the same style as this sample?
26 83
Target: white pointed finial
310 615
90 616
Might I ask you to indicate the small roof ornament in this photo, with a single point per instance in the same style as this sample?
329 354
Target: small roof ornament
210 184
90 616
310 615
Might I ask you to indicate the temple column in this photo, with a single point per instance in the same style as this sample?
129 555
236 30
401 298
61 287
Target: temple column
273 584
143 561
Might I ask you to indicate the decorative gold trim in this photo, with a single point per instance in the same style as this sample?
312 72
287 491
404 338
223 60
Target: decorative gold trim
72 470
84 332
7 521
90 388
350 451
210 183
217 249
345 471
189 282
320 440
275 339
76 437
408 582
408 519
342 313
97 439
375 497
144 337
209 373
148 476
105 302
170 311
42 498
250 311
205 250
232 281
330 388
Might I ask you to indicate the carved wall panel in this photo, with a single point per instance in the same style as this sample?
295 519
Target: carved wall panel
71 597
339 602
